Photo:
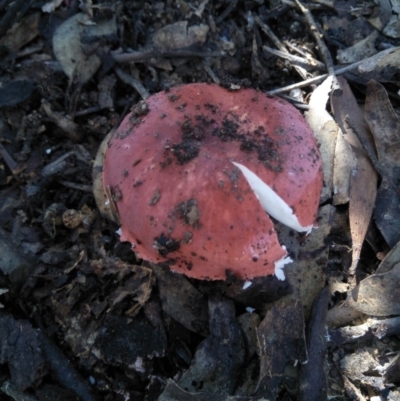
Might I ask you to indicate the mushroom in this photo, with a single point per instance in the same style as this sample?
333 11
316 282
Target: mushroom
193 170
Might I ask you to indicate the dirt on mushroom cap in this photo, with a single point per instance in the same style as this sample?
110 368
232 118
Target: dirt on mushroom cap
180 198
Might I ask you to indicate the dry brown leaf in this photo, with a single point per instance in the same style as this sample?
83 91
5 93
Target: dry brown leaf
22 32
343 164
363 180
383 66
363 49
385 126
362 200
378 294
391 259
341 314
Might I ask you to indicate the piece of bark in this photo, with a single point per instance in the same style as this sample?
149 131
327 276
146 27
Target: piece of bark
15 263
281 340
219 358
181 300
21 351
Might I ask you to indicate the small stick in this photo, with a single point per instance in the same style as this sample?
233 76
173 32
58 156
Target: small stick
310 6
79 187
323 50
12 165
211 73
301 52
137 85
302 62
226 12
316 80
267 30
146 55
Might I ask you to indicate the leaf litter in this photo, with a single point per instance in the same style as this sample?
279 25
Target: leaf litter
138 331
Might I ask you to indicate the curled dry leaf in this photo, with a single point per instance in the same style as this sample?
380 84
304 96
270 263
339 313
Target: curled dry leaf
363 180
325 131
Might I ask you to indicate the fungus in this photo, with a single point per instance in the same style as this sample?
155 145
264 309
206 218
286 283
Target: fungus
195 172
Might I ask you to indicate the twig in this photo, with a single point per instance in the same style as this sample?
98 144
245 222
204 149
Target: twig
301 52
296 103
323 50
318 79
226 12
79 187
128 79
310 6
89 110
148 54
267 30
139 56
211 73
12 165
296 60
327 3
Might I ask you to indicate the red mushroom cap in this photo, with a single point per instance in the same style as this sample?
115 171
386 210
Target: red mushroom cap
181 199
